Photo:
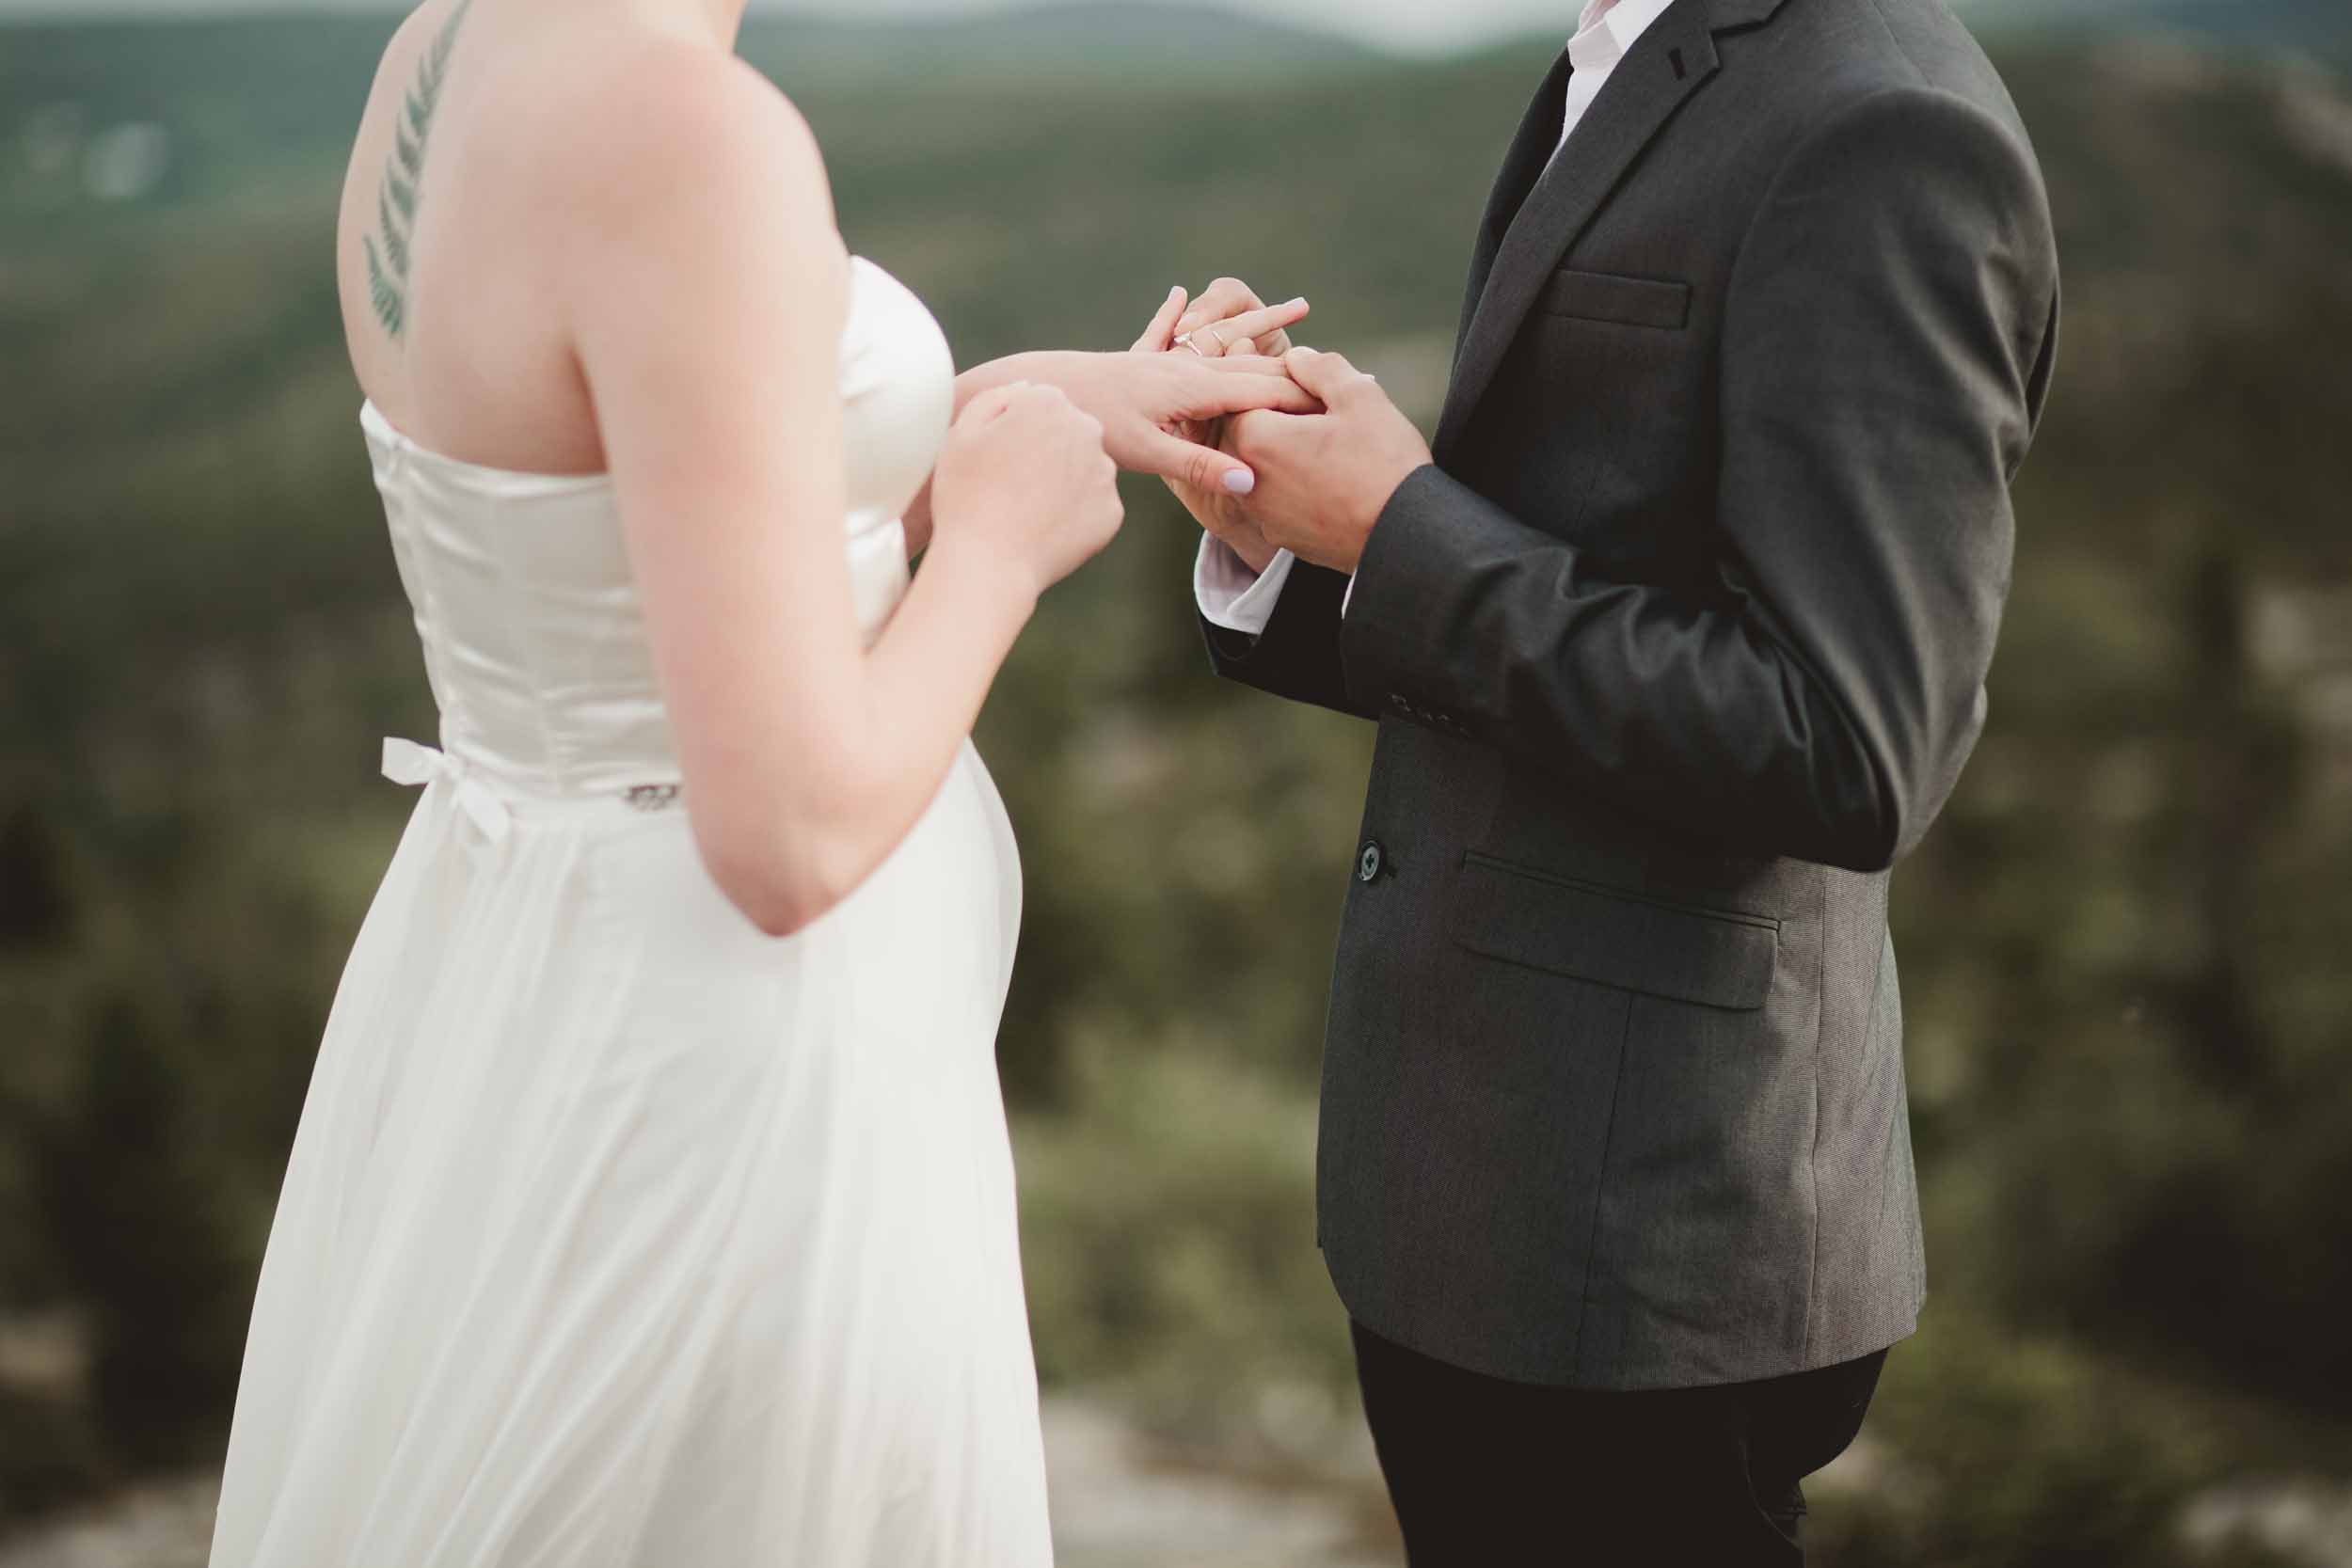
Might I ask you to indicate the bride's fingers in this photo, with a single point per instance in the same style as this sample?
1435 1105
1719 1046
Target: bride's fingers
1248 329
1160 336
1226 297
1263 329
1195 467
1209 340
1242 364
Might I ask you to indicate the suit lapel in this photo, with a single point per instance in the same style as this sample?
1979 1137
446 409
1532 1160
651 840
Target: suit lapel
1538 133
1666 65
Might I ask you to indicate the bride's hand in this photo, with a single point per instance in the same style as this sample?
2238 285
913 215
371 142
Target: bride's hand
1024 481
1145 400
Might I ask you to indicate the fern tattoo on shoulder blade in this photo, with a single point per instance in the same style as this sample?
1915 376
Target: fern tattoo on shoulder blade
397 197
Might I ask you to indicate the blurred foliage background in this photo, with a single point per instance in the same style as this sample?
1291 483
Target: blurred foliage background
2127 949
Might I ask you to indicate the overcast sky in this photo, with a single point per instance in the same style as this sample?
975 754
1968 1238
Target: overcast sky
1406 24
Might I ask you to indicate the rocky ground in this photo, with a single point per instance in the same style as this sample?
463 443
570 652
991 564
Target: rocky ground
1120 1502
1117 1504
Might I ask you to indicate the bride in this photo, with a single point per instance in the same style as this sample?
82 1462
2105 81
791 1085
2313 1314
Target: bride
651 1202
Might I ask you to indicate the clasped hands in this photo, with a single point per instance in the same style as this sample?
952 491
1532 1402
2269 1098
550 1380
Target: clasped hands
1316 480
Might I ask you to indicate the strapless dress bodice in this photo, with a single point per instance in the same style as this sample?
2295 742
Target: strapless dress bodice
532 632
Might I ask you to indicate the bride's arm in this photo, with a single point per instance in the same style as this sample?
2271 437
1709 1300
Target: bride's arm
706 299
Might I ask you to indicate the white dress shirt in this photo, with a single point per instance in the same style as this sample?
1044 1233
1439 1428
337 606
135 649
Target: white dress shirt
1228 594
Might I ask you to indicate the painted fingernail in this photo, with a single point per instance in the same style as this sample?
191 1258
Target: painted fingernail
1240 480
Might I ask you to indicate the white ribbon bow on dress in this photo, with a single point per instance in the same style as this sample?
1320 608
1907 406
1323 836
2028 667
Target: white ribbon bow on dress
407 762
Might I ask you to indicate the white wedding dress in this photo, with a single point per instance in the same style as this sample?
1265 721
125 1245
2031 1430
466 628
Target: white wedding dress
616 1232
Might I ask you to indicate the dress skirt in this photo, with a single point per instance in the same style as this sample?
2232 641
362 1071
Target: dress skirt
619 1232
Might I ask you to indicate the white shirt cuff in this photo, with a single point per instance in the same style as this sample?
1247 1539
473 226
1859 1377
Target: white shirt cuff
1349 594
1233 596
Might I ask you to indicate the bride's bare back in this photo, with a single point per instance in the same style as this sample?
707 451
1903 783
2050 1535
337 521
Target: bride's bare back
461 209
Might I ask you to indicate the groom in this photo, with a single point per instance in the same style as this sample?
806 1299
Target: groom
1676 640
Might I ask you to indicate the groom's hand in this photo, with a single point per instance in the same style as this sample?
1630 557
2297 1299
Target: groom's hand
1324 479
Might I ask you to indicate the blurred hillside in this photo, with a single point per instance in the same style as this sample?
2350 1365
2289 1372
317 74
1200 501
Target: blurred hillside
2319 29
2123 949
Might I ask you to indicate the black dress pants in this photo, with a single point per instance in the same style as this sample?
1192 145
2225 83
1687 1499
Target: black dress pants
1486 1472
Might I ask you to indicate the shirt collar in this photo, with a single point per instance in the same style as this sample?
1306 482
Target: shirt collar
1603 37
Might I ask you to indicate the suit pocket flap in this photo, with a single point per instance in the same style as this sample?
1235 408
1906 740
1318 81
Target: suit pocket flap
1717 959
1603 296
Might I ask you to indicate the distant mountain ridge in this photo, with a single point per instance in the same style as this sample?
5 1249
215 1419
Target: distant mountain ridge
1029 41
1052 29
1058 32
1142 36
2321 28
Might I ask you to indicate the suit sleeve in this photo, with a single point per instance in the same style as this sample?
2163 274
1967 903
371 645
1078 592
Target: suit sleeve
1298 656
1885 345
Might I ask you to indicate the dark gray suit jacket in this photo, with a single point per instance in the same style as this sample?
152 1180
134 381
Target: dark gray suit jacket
1679 645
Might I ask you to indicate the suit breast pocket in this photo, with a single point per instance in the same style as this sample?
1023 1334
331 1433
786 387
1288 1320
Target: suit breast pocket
1606 296
1717 959
1610 399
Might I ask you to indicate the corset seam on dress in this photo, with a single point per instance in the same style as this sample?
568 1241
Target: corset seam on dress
556 759
429 613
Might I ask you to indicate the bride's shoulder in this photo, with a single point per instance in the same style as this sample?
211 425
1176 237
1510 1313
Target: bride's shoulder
698 125
691 180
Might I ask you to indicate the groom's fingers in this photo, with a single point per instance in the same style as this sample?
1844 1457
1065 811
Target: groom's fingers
1161 335
1216 392
1329 376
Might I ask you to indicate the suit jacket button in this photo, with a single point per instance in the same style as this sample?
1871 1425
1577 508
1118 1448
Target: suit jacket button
1368 860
